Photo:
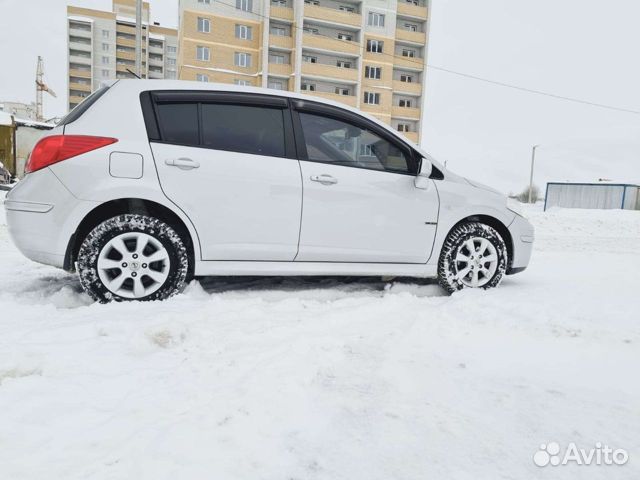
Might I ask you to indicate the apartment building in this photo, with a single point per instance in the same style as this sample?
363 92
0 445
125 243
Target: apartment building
101 46
368 54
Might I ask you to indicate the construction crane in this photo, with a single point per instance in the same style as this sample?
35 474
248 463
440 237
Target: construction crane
41 87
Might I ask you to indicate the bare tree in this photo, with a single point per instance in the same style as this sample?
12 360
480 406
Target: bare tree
524 195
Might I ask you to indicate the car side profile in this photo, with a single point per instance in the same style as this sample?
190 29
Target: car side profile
149 183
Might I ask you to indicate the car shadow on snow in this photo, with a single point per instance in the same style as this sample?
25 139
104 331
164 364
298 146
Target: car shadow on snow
292 284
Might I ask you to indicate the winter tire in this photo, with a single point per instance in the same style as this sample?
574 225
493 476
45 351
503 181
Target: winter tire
474 255
132 257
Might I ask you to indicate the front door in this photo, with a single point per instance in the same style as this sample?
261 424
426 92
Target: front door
360 203
228 167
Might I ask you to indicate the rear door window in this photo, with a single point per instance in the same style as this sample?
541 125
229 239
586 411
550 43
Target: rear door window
243 128
178 123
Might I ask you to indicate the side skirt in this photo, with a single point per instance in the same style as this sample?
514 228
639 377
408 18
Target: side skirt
231 268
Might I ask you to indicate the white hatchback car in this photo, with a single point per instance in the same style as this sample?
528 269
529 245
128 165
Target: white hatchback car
147 184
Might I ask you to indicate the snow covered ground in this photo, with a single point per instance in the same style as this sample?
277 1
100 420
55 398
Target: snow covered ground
329 378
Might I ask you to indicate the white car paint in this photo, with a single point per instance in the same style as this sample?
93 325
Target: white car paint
248 217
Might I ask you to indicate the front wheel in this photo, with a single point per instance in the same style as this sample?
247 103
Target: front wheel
474 255
132 257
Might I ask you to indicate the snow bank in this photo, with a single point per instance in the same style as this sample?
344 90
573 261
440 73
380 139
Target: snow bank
328 378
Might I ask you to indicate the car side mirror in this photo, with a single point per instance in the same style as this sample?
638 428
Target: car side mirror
424 172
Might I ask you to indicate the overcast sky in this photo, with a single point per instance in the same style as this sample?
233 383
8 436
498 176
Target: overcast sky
584 49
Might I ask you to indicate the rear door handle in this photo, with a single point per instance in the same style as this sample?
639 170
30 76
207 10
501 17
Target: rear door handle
182 163
324 179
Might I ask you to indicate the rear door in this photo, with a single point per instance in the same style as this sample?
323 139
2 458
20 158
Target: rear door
228 161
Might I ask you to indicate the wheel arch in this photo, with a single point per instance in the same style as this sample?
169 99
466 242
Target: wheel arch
120 206
494 223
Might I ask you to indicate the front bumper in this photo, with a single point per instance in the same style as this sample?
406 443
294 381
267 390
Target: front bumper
522 234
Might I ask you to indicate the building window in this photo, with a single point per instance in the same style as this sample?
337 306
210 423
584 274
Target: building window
204 25
105 47
241 59
171 49
105 60
279 3
275 58
308 87
311 30
345 36
201 77
309 59
312 2
372 98
244 5
105 33
412 27
413 2
206 2
343 64
170 74
406 78
244 32
242 83
375 46
278 31
105 73
373 72
342 91
171 61
346 8
203 53
376 19
407 52
404 103
276 85
404 127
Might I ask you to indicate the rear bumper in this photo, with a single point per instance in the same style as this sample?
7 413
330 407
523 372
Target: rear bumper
42 216
522 234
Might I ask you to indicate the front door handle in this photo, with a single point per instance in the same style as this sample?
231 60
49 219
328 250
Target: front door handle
324 179
182 163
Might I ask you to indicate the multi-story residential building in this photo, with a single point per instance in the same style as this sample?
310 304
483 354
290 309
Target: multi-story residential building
368 54
102 47
25 111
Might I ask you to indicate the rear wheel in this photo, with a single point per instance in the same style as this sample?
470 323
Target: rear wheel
474 255
132 257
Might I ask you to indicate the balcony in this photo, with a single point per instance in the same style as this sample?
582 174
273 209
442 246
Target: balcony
283 13
84 60
410 88
332 44
409 63
330 71
126 55
411 136
411 10
405 112
125 42
280 69
80 32
279 41
80 87
346 99
333 15
403 35
75 72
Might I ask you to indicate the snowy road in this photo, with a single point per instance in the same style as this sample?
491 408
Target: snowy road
328 378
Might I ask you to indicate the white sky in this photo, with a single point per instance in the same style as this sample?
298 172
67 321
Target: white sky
579 48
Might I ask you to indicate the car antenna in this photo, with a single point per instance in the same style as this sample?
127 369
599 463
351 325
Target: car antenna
134 74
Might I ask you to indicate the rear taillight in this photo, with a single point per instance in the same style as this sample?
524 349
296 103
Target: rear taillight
56 148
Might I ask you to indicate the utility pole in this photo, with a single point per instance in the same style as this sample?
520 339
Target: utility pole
139 38
533 159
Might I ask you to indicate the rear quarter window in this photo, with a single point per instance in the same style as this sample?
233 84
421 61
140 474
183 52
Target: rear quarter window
178 122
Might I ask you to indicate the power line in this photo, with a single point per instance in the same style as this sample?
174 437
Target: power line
537 92
361 49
